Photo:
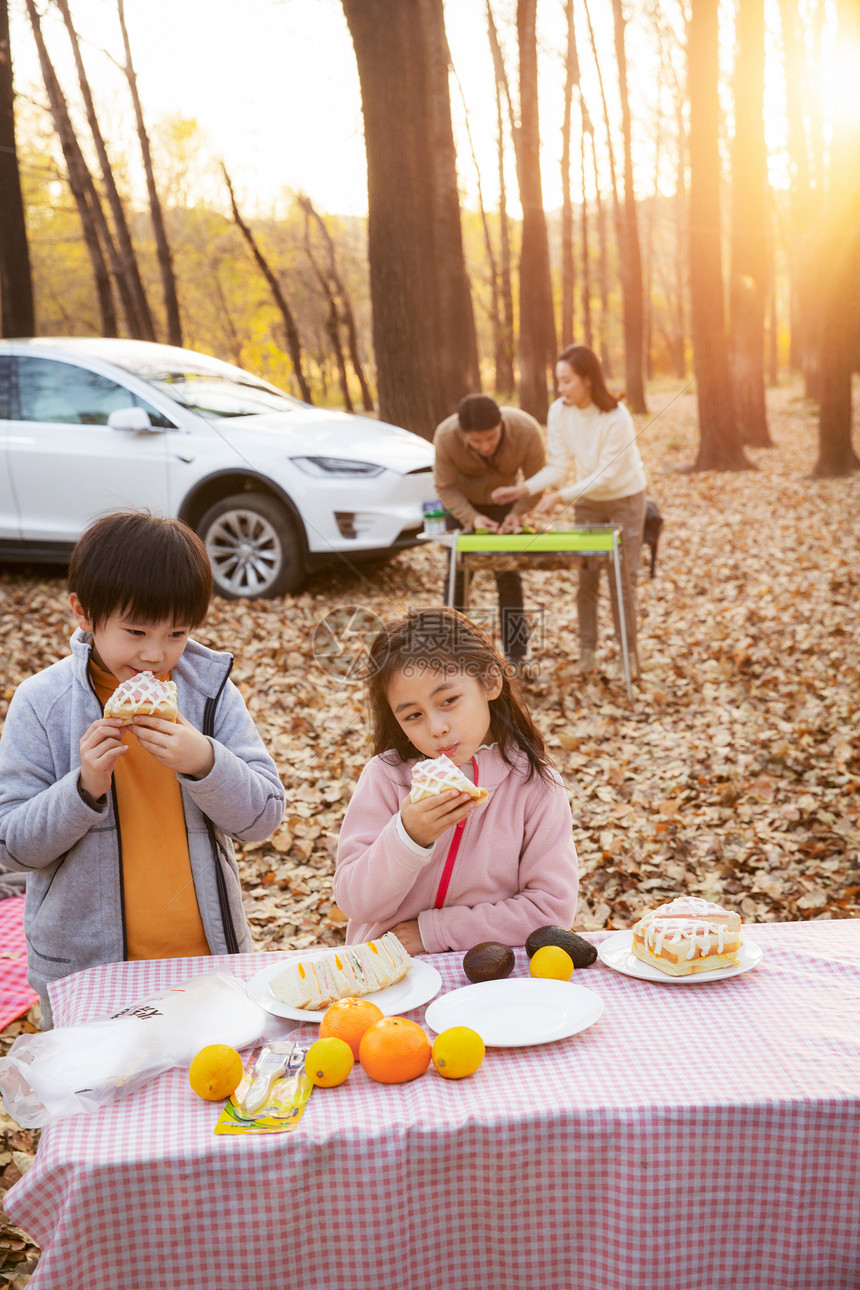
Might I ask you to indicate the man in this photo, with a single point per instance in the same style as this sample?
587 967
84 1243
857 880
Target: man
480 448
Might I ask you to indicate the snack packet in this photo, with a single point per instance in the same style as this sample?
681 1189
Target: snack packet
271 1095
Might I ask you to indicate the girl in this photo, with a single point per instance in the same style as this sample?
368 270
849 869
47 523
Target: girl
586 425
445 874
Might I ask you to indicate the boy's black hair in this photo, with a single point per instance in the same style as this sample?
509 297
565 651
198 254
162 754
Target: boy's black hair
444 640
144 566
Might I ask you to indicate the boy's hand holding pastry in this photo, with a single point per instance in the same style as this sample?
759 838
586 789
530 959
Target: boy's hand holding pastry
149 706
101 747
176 744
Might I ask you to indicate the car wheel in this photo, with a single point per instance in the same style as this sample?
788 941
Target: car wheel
253 545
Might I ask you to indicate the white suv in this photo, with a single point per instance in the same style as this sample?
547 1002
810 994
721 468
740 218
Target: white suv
272 485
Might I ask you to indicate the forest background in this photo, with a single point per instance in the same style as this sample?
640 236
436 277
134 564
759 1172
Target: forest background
704 218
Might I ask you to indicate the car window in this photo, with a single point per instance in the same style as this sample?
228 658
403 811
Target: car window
65 394
5 386
219 396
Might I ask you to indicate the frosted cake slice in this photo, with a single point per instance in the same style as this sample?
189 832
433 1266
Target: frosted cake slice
688 935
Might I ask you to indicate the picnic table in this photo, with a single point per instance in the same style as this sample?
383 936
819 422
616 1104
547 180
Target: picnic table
696 1136
554 549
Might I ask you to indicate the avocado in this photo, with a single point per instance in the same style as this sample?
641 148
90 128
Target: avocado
581 951
488 961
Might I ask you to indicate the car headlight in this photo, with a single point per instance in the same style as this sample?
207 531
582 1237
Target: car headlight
337 466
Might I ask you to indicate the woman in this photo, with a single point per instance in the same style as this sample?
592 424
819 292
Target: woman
590 427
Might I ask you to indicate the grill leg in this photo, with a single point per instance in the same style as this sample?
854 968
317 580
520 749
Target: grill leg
619 570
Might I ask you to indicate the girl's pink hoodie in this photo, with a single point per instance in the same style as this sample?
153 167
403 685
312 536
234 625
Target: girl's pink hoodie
516 867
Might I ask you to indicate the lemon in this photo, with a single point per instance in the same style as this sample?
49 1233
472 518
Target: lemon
328 1062
458 1051
552 961
215 1072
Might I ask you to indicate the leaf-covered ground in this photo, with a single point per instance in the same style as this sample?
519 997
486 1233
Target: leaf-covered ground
733 774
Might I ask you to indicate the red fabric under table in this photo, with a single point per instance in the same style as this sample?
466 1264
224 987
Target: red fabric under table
16 997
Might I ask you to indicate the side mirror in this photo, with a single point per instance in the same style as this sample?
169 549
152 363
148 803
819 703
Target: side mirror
134 419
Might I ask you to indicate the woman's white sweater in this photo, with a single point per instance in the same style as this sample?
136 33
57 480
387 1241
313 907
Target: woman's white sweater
603 445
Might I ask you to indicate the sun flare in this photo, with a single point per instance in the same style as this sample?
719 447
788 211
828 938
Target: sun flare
845 81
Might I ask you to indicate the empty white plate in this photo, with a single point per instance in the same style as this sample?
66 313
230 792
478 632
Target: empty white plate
518 1011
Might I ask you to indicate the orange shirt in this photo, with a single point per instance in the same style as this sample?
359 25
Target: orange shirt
162 919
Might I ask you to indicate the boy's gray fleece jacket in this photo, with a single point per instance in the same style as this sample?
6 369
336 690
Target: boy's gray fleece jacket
72 853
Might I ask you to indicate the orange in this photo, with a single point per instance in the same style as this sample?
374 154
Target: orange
328 1062
215 1072
551 961
348 1019
458 1051
394 1050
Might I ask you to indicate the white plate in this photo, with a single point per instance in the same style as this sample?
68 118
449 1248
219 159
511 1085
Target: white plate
421 983
518 1011
617 953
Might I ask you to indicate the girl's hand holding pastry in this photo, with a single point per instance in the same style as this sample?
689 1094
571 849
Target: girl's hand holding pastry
427 820
176 744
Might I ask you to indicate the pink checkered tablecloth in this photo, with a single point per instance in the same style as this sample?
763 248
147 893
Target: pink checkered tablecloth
696 1137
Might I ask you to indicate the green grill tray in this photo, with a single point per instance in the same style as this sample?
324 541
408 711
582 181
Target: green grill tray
575 540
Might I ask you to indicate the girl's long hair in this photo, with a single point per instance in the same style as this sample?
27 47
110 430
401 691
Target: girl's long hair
586 364
443 640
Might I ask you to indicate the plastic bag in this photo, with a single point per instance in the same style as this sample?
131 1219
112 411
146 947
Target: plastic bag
79 1068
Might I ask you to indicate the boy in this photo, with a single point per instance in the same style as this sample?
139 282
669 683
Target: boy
126 840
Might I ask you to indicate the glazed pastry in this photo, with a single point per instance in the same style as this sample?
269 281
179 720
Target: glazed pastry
354 970
143 696
429 778
688 935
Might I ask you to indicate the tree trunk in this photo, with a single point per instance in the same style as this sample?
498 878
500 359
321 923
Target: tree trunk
568 271
162 245
459 351
749 250
494 310
720 447
537 323
616 201
423 324
505 376
128 280
632 257
228 322
343 303
839 276
682 246
602 265
805 201
650 217
16 284
332 326
587 328
294 345
773 317
332 322
80 183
